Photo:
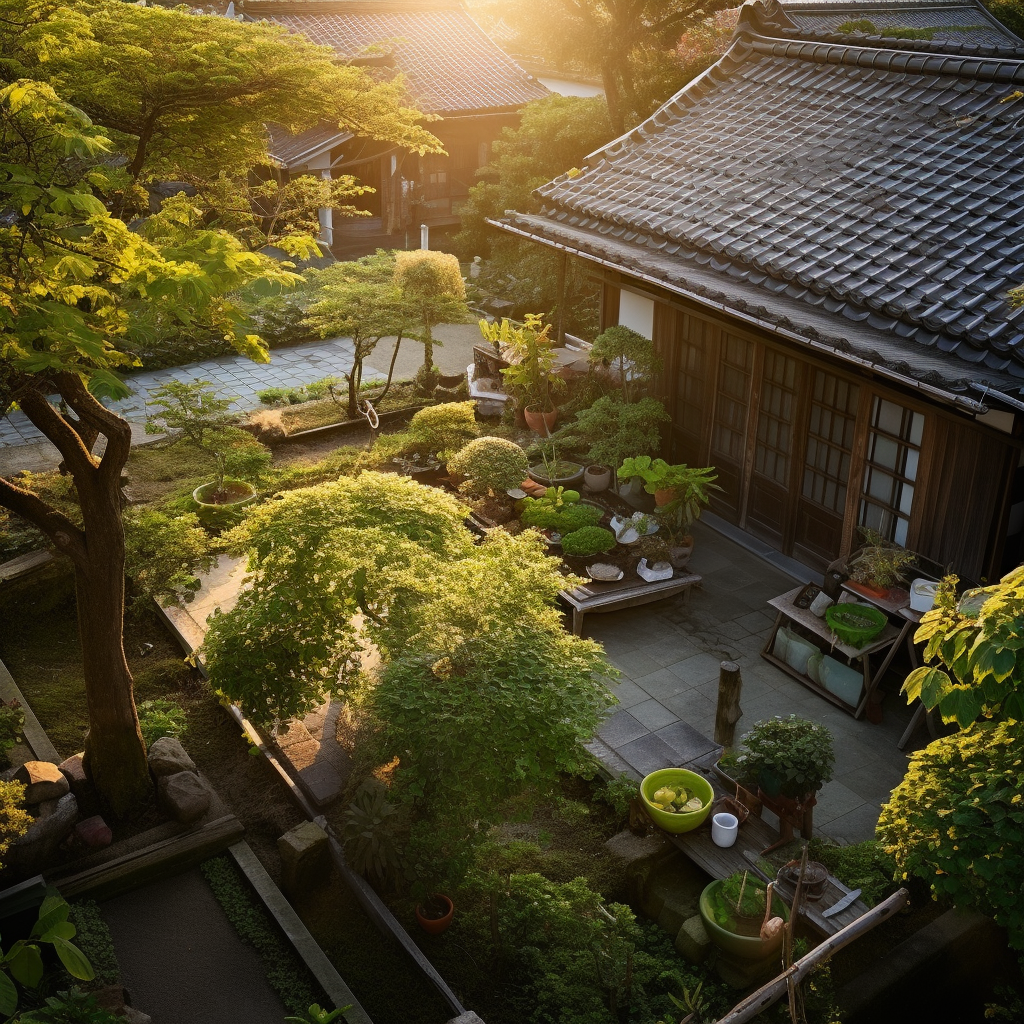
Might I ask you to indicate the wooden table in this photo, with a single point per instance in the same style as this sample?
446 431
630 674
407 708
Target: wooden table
629 592
756 835
787 611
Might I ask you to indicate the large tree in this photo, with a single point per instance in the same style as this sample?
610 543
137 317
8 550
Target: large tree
629 43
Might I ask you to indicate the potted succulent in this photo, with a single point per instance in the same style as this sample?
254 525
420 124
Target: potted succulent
879 566
530 378
789 759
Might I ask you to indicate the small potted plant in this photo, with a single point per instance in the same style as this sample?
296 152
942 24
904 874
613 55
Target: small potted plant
530 378
790 759
671 482
490 465
879 566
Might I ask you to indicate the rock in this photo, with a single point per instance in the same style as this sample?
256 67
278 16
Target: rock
671 892
167 757
92 834
134 1016
73 769
693 942
469 1017
110 998
30 853
305 860
184 796
42 781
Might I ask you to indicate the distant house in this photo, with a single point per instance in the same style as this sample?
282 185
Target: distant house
452 69
820 235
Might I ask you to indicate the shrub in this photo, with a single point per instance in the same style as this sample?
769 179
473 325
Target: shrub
160 717
865 866
788 755
444 429
490 464
12 722
163 555
957 821
610 430
543 513
634 355
14 819
591 540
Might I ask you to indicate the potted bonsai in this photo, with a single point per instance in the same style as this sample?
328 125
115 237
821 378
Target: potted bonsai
788 759
530 378
879 566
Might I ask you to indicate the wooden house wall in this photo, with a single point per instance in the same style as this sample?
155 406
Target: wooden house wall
796 437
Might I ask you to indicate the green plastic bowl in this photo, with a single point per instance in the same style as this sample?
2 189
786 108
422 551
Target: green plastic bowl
855 624
677 777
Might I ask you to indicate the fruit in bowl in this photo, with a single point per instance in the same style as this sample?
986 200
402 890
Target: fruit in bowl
677 799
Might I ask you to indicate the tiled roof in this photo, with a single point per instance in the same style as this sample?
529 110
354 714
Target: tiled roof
450 64
952 27
297 150
876 196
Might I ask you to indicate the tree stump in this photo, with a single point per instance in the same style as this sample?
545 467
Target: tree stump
730 683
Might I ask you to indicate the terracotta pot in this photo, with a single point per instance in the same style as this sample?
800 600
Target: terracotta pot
868 590
664 495
436 925
597 478
539 421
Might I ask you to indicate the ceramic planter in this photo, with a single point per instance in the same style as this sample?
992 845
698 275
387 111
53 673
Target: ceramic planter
664 495
743 947
539 421
238 495
567 477
679 555
597 478
436 925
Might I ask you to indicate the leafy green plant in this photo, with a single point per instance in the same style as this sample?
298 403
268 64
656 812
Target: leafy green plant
14 819
490 465
609 431
280 396
315 1015
370 846
557 514
95 942
160 717
619 793
590 540
12 723
632 353
23 962
70 1007
865 866
745 893
444 429
791 756
286 974
530 378
164 555
691 486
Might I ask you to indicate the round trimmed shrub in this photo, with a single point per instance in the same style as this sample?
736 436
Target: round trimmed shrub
591 540
490 464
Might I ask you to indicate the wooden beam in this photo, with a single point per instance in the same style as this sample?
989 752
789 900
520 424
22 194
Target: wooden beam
767 994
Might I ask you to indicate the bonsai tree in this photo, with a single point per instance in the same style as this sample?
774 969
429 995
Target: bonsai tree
631 353
609 431
490 465
791 757
431 282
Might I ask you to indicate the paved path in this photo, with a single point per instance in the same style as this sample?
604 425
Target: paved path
669 655
181 959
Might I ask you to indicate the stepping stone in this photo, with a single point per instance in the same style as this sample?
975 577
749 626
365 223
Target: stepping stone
693 942
323 782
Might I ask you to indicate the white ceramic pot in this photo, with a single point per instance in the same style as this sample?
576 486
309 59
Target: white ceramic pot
724 829
597 478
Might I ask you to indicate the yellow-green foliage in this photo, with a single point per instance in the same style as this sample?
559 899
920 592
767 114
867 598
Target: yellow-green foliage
445 428
490 464
423 272
14 819
957 821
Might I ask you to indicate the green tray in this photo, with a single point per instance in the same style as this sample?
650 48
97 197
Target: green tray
855 624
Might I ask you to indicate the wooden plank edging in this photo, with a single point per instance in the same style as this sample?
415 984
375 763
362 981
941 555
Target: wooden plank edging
298 934
34 733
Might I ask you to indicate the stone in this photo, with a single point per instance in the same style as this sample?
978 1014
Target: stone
305 859
322 781
42 781
469 1017
167 757
31 853
632 851
693 942
73 769
671 891
184 796
134 1016
92 834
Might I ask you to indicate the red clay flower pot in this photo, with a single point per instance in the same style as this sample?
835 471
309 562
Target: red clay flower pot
540 422
435 925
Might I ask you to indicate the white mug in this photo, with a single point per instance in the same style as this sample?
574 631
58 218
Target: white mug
724 828
820 603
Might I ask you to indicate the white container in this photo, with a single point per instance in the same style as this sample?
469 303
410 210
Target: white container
724 829
922 595
820 603
653 573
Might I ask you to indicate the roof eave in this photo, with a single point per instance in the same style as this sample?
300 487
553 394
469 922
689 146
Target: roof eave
935 393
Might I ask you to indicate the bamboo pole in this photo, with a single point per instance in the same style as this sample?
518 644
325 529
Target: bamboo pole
777 987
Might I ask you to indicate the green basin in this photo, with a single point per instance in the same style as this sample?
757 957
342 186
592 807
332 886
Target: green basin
677 777
746 947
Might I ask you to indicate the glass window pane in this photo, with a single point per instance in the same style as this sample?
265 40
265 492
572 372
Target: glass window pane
916 428
888 417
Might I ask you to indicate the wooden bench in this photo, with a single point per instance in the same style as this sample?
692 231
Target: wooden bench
629 592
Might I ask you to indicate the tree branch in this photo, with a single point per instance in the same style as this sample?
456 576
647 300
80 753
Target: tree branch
69 538
97 416
60 433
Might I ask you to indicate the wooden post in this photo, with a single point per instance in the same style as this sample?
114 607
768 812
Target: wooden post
560 291
730 683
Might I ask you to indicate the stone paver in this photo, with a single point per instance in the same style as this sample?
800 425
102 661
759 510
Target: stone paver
669 655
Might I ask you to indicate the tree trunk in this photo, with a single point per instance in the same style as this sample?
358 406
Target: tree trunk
115 754
612 98
428 352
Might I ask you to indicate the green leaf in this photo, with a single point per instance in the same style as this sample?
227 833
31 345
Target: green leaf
74 960
8 996
54 910
25 963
